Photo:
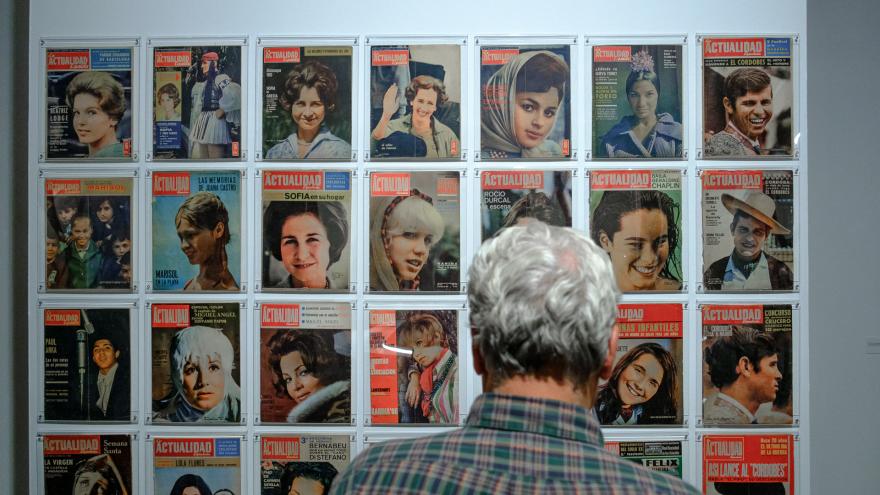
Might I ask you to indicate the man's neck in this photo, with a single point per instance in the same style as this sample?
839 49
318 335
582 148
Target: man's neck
547 388
742 393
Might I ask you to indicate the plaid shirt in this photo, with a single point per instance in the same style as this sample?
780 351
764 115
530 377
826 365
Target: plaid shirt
510 444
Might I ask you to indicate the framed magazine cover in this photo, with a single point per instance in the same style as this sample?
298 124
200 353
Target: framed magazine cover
86 460
91 100
748 97
307 105
198 89
638 102
416 105
218 461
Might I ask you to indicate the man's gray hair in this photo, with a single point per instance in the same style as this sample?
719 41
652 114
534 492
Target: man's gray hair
542 300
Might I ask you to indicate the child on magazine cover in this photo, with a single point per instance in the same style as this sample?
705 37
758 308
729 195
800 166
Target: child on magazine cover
436 365
111 269
83 257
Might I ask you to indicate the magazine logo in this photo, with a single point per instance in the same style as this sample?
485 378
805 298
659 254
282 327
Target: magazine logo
733 47
650 321
61 318
280 315
61 187
745 179
498 56
68 60
733 315
612 54
171 184
390 57
71 444
173 59
723 448
389 184
383 318
296 181
628 179
447 186
170 315
513 180
281 449
105 187
190 447
281 55
630 313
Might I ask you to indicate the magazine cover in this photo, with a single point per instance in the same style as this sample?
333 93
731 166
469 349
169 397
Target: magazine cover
645 387
414 367
515 197
415 235
302 465
88 233
748 230
415 102
305 363
746 464
197 102
747 365
196 362
748 93
660 456
89 103
637 101
306 230
307 103
197 237
87 364
200 466
525 102
636 217
87 464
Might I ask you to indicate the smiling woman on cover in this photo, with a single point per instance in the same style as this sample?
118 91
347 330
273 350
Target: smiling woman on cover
639 230
645 133
307 237
642 388
308 96
403 229
424 95
97 103
202 359
518 125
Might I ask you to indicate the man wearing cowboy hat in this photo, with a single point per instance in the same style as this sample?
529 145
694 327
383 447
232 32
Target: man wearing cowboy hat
749 267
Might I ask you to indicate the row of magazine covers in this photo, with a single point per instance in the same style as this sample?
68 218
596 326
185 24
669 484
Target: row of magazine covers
415 100
309 360
309 223
308 464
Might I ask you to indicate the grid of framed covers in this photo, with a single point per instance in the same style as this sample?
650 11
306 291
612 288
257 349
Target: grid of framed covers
256 248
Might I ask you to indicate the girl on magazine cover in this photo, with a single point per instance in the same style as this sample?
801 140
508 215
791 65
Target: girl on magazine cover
517 127
403 229
638 230
645 133
203 228
216 105
641 390
308 96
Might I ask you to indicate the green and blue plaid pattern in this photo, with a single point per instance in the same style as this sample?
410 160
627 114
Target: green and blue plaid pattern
510 445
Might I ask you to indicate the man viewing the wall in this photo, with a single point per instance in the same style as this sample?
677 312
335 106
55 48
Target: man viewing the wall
542 311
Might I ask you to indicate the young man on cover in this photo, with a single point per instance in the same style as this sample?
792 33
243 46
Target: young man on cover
543 305
110 382
745 368
748 102
748 267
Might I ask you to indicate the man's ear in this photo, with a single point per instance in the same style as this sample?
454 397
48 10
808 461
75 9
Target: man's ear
744 366
479 364
608 364
728 105
604 241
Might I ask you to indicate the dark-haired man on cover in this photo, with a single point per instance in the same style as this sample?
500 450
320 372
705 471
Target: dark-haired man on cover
111 393
748 267
543 305
745 368
748 103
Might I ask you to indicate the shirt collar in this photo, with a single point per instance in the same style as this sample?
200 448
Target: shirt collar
742 135
533 415
735 403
